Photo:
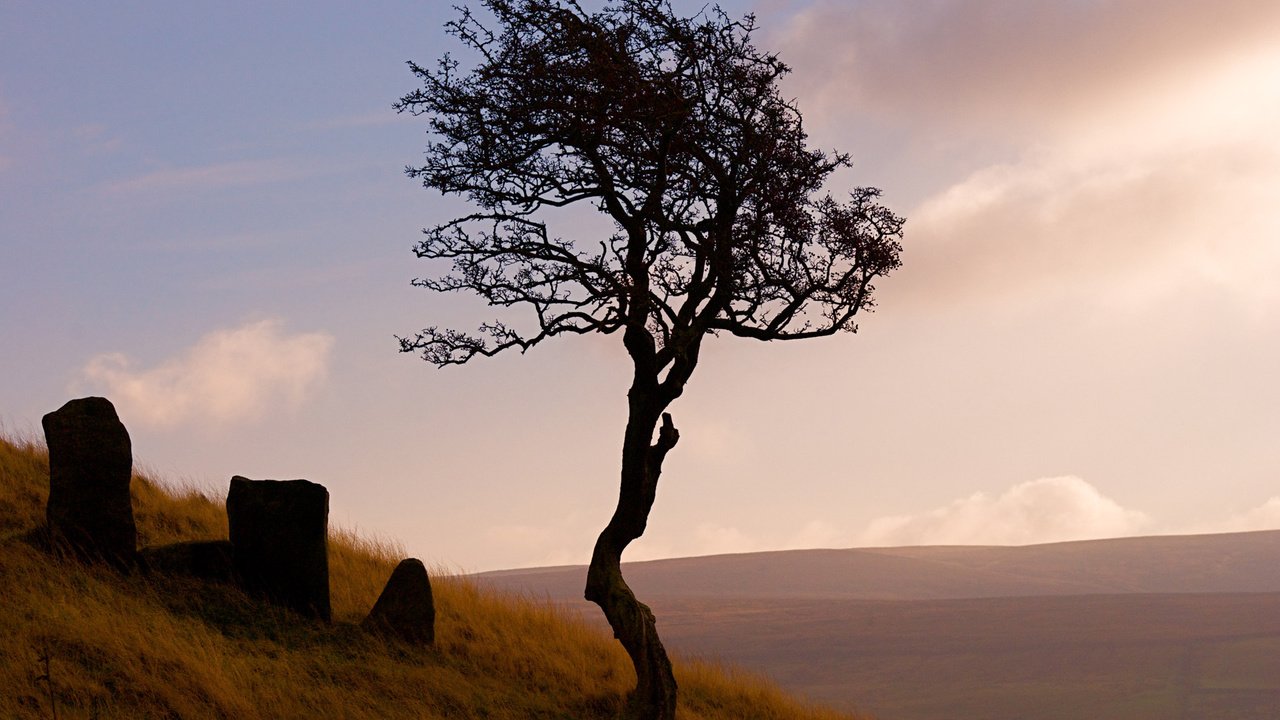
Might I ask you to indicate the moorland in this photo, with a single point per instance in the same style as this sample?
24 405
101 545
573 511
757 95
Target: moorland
1151 628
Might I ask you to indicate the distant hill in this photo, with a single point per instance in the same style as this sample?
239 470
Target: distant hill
1153 628
1235 562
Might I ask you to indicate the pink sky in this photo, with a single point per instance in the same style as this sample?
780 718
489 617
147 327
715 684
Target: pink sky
213 231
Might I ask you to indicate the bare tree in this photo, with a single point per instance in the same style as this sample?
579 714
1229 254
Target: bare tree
675 129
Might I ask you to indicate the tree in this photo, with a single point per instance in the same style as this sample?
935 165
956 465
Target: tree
673 127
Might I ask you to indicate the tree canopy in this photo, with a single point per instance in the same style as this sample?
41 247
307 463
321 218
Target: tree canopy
675 128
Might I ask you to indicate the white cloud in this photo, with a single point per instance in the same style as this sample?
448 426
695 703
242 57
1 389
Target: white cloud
228 375
1045 510
1264 517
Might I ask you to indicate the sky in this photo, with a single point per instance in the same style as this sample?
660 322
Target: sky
205 218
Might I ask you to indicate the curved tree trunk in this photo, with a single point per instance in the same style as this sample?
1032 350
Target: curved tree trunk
654 697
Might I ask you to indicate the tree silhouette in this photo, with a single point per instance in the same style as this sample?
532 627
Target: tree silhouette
675 129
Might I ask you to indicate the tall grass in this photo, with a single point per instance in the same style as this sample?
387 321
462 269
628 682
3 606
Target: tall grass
138 646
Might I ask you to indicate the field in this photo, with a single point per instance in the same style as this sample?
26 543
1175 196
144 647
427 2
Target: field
1121 657
87 642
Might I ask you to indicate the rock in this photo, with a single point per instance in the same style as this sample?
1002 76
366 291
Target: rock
90 466
279 530
206 560
405 609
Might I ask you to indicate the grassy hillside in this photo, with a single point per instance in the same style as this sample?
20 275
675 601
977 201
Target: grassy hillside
94 644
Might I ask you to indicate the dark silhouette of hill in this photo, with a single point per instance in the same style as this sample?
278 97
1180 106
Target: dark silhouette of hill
1152 628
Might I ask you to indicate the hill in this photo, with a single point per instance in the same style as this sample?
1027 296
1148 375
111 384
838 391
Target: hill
1156 628
1234 562
86 642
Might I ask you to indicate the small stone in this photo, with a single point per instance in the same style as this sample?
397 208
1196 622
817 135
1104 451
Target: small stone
279 533
405 609
90 468
203 559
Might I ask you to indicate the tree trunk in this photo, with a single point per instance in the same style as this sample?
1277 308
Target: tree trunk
654 697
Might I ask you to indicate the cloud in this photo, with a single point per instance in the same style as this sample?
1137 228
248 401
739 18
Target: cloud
1137 156
564 538
816 534
1264 517
705 538
240 173
1171 192
1120 227
709 538
994 66
712 539
1045 510
537 545
227 376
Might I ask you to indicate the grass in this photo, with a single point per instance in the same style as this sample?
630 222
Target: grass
88 642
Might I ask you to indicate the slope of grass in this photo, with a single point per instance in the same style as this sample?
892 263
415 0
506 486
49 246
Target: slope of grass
91 643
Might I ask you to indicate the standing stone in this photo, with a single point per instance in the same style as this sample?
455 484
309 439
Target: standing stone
405 609
90 466
279 530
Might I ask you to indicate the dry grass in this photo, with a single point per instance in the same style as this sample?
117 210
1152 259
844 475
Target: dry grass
129 646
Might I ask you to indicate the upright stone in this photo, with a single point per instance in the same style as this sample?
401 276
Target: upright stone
405 609
90 466
279 530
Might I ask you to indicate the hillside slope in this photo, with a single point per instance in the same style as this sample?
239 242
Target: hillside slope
91 643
